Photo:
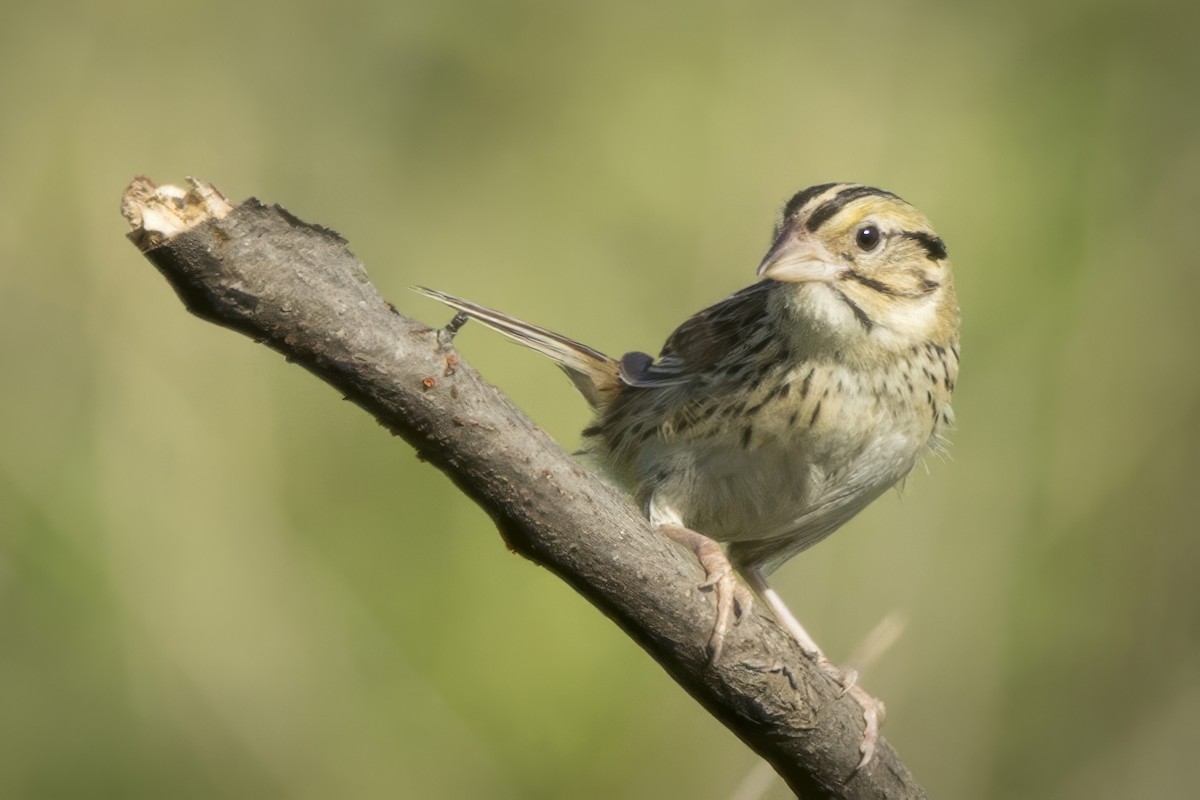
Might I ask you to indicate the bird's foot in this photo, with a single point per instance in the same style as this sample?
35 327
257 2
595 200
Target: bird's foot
873 710
734 600
874 713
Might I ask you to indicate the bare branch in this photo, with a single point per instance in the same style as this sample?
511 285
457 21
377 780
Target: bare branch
298 289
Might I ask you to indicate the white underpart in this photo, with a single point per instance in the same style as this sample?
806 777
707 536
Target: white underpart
903 323
662 514
909 321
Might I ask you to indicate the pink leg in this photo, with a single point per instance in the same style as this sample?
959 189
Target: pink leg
873 710
732 597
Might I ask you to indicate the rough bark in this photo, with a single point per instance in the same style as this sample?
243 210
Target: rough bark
297 288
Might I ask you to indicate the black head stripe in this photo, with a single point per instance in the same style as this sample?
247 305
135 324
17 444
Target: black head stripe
802 198
826 210
863 318
934 247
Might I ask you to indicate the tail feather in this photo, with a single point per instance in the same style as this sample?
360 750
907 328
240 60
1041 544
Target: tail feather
592 372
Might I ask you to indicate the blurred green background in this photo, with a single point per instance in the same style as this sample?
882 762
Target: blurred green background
217 579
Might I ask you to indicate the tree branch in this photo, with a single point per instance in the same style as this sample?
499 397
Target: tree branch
298 289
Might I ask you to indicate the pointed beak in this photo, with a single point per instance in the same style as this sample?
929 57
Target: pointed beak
796 260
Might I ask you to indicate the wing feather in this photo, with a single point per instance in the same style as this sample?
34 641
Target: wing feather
701 342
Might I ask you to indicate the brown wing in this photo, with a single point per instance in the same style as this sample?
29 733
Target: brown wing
700 342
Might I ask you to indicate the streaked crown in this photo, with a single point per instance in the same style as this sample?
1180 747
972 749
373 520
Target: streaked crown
867 262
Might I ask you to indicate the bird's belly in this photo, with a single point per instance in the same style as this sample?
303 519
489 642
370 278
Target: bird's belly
800 489
778 471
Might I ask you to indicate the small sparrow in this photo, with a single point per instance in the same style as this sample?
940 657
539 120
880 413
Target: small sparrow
774 416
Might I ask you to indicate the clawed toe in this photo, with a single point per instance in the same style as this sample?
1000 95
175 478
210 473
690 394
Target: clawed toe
873 710
733 603
734 600
846 679
874 713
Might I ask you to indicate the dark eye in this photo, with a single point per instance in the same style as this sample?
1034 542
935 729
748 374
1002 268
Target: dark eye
868 238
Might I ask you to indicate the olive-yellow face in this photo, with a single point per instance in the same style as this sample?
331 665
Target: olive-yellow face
875 254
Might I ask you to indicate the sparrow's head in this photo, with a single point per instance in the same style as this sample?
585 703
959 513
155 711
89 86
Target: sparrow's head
865 262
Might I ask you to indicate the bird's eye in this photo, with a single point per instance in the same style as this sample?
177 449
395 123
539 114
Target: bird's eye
868 238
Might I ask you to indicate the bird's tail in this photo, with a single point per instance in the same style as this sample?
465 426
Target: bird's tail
592 372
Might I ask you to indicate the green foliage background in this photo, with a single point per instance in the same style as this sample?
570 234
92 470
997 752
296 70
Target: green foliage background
217 579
